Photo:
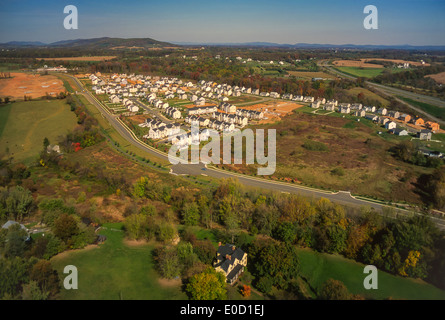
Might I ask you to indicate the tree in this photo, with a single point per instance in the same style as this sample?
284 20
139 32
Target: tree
137 226
45 143
16 201
168 262
207 285
190 214
15 241
46 277
65 227
32 291
205 250
264 284
277 261
285 232
13 274
334 290
165 232
246 291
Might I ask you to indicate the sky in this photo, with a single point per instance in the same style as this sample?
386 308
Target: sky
413 22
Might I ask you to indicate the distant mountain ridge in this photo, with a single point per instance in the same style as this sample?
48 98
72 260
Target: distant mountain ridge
315 45
94 43
108 43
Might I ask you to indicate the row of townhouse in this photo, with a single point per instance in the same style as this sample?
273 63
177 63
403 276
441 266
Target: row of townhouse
227 107
186 139
221 125
130 105
250 114
160 130
173 113
202 110
221 121
240 121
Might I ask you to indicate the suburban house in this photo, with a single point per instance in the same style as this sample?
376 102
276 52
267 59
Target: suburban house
231 261
345 109
227 107
329 107
433 126
315 104
405 117
399 132
394 114
10 223
383 120
390 125
372 117
370 108
360 113
424 134
418 121
382 111
173 112
114 99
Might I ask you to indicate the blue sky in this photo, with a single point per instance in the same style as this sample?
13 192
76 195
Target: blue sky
415 22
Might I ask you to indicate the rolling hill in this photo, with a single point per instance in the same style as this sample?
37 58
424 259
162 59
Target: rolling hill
95 43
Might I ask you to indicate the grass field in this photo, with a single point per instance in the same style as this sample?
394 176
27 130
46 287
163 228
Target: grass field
24 125
432 110
115 271
355 146
368 94
309 75
316 268
360 72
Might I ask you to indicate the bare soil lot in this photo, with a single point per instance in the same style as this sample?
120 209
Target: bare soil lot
273 110
33 85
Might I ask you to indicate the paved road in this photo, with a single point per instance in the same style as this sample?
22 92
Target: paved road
341 197
152 111
398 92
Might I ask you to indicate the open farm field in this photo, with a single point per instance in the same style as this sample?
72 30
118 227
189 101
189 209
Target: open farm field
438 77
24 125
309 75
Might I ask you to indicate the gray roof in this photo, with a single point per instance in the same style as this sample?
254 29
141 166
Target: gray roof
10 223
228 250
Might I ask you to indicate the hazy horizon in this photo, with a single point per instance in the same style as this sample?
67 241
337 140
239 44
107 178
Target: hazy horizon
409 22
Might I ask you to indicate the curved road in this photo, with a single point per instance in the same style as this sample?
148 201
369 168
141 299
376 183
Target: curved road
341 197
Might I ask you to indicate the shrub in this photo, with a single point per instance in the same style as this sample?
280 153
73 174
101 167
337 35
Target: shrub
312 145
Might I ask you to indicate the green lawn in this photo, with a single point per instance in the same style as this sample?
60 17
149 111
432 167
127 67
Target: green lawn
24 125
115 271
432 110
361 72
319 267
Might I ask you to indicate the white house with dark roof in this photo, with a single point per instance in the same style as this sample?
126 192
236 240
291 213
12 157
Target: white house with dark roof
231 261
